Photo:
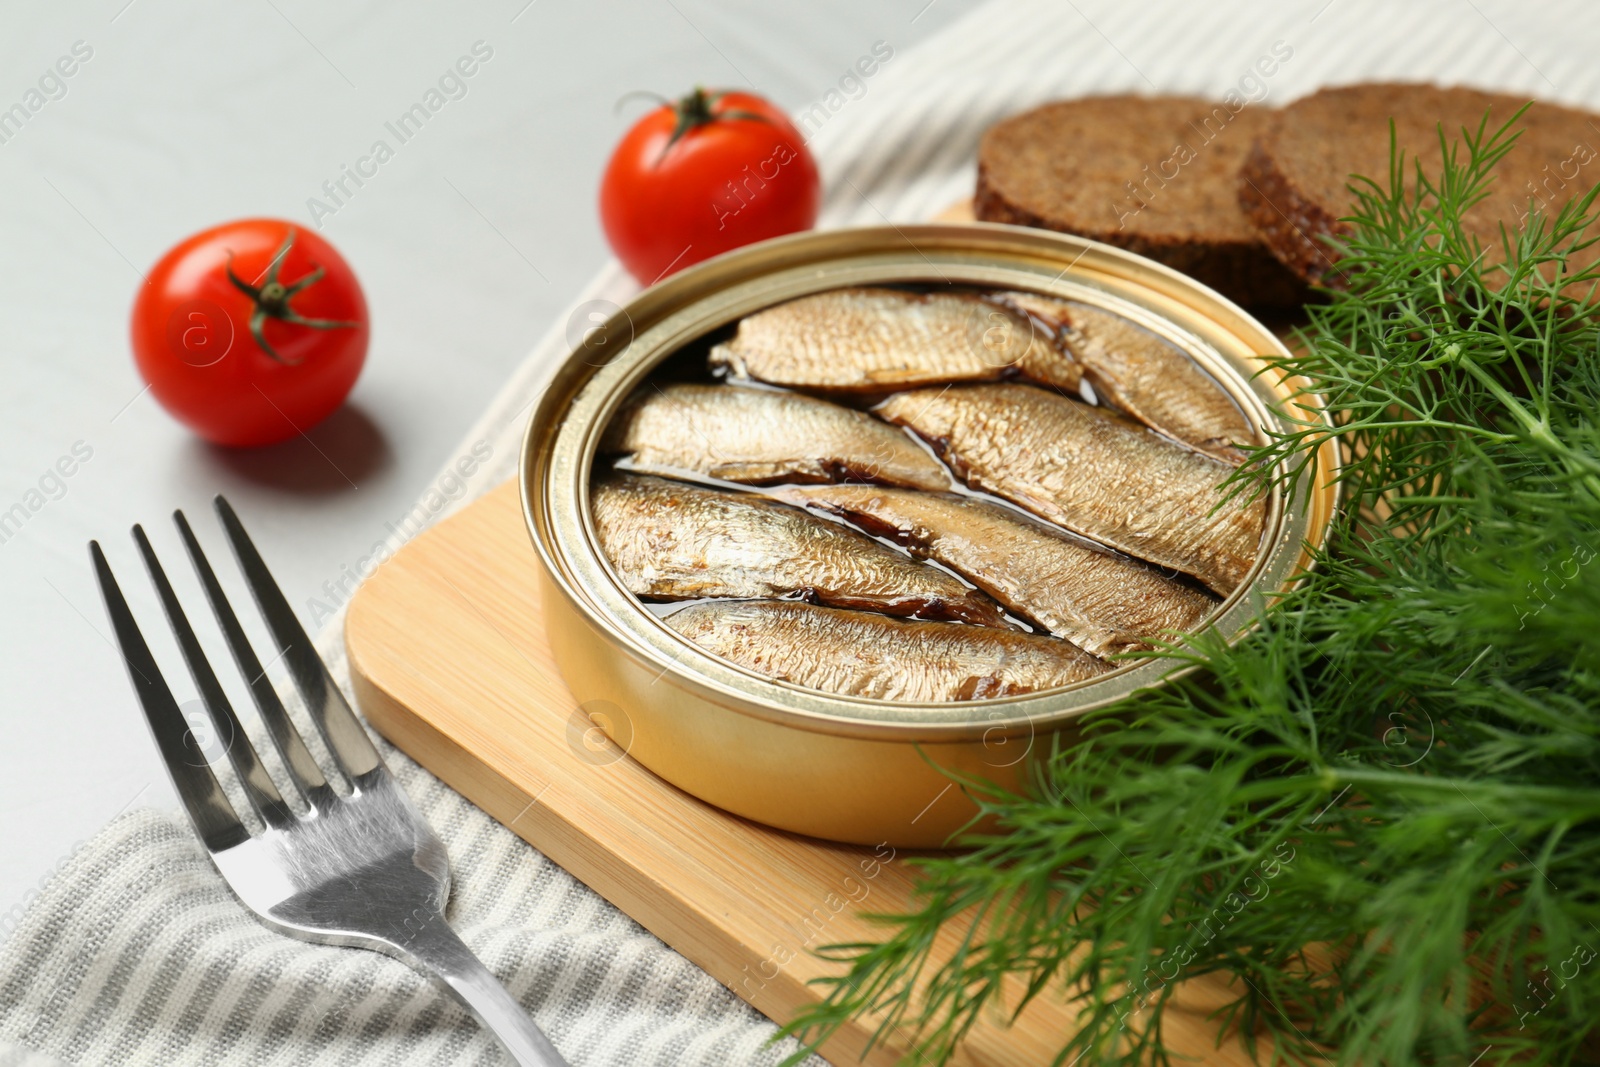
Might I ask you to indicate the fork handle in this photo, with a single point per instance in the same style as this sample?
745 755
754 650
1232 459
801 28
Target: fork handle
437 950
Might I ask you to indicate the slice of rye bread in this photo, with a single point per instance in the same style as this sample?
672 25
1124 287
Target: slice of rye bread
1152 174
1294 184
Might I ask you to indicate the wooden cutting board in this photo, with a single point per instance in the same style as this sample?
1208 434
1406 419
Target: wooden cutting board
448 653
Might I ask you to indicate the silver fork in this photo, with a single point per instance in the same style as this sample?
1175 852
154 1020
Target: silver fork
361 869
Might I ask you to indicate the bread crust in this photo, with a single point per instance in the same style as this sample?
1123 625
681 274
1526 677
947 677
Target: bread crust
1294 228
1153 175
1293 185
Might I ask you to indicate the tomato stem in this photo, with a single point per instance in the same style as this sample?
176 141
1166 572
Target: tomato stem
698 109
271 298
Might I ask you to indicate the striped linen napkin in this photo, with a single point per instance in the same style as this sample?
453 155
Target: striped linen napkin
135 953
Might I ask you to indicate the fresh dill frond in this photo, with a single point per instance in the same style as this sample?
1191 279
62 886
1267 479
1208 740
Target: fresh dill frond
1380 811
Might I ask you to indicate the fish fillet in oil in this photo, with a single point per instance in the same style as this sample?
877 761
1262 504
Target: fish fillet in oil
1145 375
1091 472
672 541
1100 601
764 437
857 653
880 340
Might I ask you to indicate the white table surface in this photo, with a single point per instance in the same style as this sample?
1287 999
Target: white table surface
468 243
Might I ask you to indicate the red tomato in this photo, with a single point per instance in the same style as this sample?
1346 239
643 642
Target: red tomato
710 173
252 332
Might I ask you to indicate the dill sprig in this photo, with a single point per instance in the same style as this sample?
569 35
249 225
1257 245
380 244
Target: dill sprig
1380 811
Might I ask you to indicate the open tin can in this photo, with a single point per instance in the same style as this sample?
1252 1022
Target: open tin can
838 767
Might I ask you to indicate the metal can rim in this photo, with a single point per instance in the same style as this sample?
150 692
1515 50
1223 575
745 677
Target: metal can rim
557 451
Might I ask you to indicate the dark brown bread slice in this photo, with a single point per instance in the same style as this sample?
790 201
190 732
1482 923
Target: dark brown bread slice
1294 185
1154 175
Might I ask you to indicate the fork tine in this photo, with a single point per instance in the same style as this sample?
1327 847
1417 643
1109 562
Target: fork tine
259 788
297 758
351 748
213 817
